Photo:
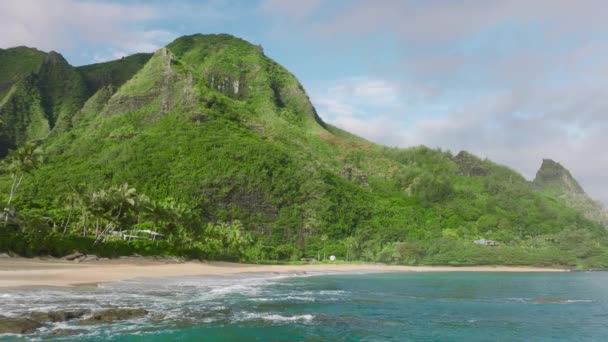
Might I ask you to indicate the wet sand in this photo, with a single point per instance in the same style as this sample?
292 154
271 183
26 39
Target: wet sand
17 272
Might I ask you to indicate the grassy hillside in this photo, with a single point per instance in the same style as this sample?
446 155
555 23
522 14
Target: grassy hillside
235 163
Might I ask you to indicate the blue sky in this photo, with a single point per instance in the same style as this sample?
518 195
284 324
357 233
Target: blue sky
512 80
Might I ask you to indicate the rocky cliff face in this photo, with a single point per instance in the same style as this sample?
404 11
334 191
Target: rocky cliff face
554 178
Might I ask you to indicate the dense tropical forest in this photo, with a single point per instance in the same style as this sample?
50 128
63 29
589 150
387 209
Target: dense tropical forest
215 147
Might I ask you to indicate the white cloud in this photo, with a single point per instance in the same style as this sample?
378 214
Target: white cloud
58 24
360 105
151 41
358 91
292 9
440 21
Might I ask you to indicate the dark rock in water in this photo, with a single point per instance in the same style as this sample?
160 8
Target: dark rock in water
158 317
18 325
111 315
73 256
57 316
65 332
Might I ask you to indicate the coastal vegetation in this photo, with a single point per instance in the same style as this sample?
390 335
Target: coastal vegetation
217 147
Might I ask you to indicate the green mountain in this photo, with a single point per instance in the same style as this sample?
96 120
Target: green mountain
554 179
17 63
211 129
42 94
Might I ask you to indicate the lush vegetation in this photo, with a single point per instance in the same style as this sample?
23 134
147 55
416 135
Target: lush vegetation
218 148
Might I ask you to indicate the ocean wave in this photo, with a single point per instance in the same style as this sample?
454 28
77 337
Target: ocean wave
301 298
276 318
550 300
331 292
262 299
196 299
228 289
518 299
283 298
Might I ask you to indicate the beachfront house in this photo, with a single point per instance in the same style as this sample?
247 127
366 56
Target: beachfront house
139 234
485 242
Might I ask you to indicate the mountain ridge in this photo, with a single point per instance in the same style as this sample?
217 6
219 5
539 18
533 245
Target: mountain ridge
212 123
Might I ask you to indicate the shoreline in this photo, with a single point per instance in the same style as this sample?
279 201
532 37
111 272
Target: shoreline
23 272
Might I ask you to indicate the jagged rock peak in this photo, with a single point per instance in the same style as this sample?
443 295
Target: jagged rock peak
553 175
470 165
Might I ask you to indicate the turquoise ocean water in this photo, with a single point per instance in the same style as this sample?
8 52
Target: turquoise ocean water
344 307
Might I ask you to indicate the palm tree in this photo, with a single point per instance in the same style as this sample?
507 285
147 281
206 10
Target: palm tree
143 206
98 206
124 200
114 205
236 238
173 216
351 244
73 200
20 162
324 238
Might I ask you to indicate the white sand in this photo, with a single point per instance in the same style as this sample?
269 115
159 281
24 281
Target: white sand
15 272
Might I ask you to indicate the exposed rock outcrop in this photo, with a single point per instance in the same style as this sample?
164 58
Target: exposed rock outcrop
73 256
555 178
65 332
10 325
553 175
57 316
470 165
112 315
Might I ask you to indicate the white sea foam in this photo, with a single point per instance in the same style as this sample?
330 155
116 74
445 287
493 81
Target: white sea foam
196 299
271 317
227 289
331 292
301 298
283 298
579 301
262 299
279 318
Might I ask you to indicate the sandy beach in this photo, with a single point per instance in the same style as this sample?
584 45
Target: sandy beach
16 272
